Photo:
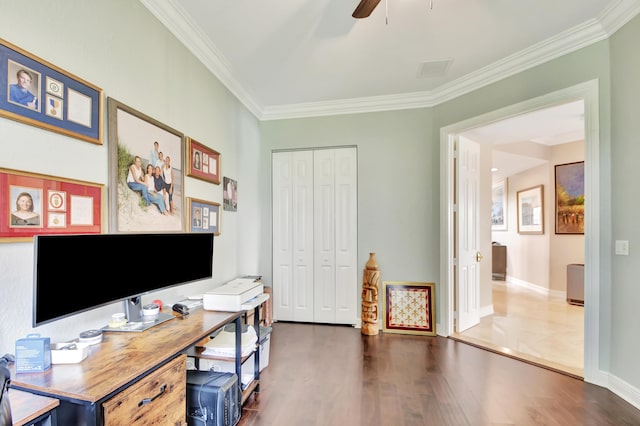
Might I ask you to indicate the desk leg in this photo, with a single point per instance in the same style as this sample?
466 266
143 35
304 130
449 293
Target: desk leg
256 356
238 323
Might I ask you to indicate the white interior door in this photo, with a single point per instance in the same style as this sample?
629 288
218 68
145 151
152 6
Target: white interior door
292 192
467 235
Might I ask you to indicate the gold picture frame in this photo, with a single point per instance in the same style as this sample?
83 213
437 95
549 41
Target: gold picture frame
531 210
203 216
202 162
55 205
134 140
38 93
409 308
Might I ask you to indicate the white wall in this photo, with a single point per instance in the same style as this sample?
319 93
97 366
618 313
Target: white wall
119 46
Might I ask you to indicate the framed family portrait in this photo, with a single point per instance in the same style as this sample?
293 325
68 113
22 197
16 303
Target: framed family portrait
570 198
203 216
33 204
531 210
230 194
202 162
145 173
38 93
499 206
409 307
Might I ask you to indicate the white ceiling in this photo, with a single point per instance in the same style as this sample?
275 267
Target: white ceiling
298 58
291 58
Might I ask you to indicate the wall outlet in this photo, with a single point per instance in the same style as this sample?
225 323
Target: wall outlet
622 247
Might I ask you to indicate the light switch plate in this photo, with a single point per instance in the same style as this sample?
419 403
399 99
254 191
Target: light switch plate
622 247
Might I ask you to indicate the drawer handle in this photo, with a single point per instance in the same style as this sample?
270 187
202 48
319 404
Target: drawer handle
150 400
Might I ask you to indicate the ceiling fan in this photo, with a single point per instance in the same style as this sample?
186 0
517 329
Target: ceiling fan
365 7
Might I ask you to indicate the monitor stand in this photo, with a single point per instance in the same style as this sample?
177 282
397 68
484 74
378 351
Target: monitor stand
137 322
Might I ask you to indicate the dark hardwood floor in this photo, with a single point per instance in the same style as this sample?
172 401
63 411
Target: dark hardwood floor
333 375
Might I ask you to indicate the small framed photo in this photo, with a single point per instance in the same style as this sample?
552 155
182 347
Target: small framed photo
40 94
203 216
531 210
409 308
202 162
33 204
230 194
499 206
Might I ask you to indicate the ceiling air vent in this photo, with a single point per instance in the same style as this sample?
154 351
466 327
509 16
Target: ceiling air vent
429 69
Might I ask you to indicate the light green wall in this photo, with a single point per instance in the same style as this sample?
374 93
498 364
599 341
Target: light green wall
625 175
397 183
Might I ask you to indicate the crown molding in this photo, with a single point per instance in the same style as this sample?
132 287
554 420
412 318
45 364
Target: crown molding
171 14
618 14
178 22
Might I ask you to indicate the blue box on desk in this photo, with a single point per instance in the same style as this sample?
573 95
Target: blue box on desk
33 354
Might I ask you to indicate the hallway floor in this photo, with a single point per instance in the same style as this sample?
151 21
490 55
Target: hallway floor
528 325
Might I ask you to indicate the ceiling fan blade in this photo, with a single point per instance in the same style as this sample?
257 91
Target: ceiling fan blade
365 7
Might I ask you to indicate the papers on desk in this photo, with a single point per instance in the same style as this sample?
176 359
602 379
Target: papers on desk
224 344
256 301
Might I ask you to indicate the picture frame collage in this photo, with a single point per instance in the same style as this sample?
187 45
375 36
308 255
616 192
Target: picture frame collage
38 93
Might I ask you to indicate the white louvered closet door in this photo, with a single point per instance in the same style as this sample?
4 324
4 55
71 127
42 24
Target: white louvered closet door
292 192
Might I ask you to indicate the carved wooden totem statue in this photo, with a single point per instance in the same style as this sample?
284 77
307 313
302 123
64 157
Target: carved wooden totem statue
370 290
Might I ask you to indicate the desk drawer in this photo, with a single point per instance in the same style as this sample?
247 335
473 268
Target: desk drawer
159 398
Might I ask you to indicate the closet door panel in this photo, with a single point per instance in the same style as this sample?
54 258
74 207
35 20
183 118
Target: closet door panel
324 235
346 249
282 195
303 236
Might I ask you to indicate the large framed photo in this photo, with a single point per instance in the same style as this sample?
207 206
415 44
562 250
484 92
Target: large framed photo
499 206
531 210
570 198
202 162
409 308
38 93
145 172
203 216
33 204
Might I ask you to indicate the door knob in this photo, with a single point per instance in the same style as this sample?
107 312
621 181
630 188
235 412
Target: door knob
478 256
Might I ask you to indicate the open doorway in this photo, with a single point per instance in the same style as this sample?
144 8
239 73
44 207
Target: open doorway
524 310
586 92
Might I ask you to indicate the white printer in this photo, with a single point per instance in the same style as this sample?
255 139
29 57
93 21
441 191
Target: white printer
231 296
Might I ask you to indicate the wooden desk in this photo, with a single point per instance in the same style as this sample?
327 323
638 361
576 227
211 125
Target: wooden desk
122 359
27 408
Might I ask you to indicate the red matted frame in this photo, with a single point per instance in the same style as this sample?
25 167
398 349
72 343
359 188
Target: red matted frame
63 206
409 308
202 162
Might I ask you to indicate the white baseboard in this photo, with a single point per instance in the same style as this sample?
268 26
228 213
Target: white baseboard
552 294
621 388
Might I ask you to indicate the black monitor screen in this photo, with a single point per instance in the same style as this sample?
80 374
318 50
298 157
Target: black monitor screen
76 273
